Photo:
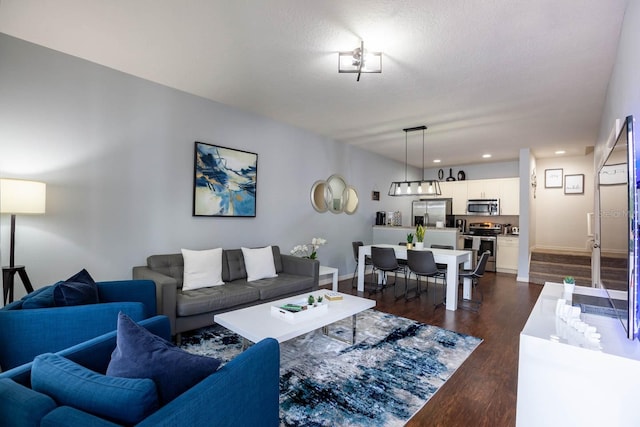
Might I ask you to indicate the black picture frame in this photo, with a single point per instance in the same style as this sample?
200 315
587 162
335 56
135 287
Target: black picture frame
225 181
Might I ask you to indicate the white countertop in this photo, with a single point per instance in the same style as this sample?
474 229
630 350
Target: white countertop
397 227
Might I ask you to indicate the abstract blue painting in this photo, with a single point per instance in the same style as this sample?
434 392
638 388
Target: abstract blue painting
224 181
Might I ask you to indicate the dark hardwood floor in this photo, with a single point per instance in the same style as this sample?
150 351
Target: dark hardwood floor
482 392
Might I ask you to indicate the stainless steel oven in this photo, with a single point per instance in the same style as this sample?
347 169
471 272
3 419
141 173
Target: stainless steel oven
484 243
482 237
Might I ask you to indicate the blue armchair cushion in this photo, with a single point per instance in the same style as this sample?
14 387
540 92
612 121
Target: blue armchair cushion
141 354
123 400
79 289
41 298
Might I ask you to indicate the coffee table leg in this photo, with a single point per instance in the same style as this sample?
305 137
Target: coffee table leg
245 343
325 331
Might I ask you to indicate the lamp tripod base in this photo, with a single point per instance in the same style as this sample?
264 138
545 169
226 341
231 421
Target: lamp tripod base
8 279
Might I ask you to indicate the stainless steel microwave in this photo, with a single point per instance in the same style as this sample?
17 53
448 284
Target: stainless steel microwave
483 207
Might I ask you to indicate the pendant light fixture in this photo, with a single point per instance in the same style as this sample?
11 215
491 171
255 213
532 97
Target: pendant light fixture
422 187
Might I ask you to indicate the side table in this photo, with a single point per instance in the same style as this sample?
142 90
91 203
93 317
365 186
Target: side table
8 278
325 271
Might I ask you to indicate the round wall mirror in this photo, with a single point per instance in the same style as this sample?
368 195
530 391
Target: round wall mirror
337 193
318 196
352 201
334 195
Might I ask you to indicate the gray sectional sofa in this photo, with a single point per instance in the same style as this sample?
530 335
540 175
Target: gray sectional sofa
192 309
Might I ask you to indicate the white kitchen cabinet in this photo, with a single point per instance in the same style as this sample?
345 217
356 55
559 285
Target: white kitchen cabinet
483 189
507 254
457 190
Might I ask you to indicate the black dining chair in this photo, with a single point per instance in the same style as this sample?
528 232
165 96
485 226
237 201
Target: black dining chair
475 275
384 260
367 262
435 246
422 264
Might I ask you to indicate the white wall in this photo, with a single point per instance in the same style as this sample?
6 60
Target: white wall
116 153
562 218
623 94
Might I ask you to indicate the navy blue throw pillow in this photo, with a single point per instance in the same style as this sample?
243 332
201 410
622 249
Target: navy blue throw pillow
141 354
78 289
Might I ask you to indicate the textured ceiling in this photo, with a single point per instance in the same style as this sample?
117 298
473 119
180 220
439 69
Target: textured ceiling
489 76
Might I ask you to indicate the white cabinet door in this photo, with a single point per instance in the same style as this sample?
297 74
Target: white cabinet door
507 255
457 190
483 189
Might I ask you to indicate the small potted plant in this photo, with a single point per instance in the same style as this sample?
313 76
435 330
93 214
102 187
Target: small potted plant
569 284
311 300
420 236
409 241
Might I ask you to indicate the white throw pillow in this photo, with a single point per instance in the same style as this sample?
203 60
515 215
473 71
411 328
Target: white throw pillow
259 263
202 268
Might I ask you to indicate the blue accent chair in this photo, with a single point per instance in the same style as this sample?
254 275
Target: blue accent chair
26 333
244 391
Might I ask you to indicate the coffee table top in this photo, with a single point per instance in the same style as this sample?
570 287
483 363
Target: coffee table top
256 323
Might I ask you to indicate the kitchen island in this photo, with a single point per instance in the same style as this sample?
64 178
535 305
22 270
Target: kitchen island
432 236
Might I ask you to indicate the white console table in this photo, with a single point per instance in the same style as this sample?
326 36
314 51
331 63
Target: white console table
325 271
566 380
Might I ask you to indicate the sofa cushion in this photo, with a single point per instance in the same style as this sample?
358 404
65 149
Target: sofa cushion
79 289
206 300
202 268
171 265
259 263
284 284
40 298
123 400
141 354
233 265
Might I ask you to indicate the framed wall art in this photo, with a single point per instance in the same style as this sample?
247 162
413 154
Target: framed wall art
574 184
553 178
224 182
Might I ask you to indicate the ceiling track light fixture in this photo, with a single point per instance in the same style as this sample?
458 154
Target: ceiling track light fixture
423 187
359 61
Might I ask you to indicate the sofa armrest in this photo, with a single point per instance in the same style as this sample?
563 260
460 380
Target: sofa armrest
143 291
301 266
26 333
21 406
166 290
245 392
95 353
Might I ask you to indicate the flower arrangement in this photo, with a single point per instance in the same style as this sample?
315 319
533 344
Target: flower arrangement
309 251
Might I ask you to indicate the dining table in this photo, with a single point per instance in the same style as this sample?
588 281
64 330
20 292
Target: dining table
451 257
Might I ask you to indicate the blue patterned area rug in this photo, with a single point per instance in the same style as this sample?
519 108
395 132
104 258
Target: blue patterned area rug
394 368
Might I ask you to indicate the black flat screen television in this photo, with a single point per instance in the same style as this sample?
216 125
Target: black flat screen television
618 235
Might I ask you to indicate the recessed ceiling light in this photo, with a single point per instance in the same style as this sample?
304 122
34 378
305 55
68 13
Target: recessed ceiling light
560 152
486 156
436 160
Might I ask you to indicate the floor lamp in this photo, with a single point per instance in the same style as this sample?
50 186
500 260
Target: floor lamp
19 197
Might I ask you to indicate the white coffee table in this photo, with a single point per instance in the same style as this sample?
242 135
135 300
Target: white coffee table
256 323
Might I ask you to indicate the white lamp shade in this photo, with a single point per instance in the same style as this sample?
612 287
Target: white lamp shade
19 196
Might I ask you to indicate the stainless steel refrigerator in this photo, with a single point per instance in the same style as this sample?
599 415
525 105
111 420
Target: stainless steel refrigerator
430 212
